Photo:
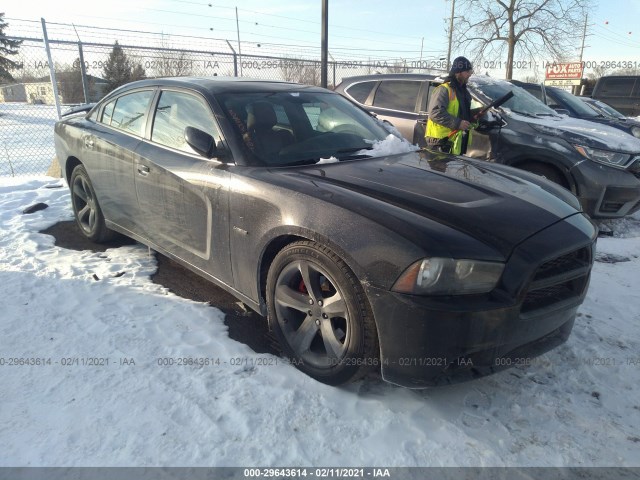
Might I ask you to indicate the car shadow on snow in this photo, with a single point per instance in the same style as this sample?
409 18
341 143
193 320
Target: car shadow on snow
244 325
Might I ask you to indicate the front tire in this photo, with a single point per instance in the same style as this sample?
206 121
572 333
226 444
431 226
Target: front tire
86 208
320 315
549 172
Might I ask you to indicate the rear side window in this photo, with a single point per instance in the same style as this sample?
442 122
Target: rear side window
397 95
129 113
177 111
360 91
617 87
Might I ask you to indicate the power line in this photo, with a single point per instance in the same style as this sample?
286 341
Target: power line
63 31
348 27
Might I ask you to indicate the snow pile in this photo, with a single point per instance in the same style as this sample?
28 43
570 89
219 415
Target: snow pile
149 406
328 160
389 146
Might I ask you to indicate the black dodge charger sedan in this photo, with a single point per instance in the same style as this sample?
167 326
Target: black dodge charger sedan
362 253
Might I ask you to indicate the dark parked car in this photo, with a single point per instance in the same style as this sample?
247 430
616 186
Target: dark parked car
362 253
598 163
622 92
605 109
566 103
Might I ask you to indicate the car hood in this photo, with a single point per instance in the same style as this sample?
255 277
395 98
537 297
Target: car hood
583 132
419 190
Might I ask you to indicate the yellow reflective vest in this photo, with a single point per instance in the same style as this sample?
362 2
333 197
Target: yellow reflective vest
435 130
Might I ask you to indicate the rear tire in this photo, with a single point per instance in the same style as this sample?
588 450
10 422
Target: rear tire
319 313
86 208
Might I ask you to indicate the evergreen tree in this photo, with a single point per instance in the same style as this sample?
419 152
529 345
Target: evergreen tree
117 69
138 73
7 47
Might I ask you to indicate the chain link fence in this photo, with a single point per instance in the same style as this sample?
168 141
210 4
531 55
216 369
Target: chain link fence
28 107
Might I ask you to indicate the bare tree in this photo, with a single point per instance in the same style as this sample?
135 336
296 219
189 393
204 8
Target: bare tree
626 71
291 69
172 62
398 66
70 83
311 74
598 71
300 71
524 29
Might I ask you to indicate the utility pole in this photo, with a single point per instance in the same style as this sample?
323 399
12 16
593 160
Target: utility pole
324 43
239 50
453 10
577 88
584 34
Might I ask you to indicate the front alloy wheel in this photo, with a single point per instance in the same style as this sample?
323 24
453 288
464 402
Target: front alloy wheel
319 313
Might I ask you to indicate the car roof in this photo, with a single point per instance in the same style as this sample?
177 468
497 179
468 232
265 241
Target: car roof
478 79
619 76
389 76
215 85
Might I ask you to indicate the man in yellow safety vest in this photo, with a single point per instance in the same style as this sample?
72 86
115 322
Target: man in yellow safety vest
450 111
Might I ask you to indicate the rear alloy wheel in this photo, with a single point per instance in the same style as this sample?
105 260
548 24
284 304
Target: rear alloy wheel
86 208
319 313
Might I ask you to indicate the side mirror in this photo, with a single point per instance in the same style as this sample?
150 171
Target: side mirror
200 141
490 119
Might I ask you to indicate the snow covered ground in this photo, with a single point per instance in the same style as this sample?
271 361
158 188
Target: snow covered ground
87 342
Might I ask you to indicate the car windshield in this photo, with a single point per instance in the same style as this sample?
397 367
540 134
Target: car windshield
521 102
300 127
572 101
606 109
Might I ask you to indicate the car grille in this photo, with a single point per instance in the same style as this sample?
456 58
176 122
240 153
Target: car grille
635 168
557 280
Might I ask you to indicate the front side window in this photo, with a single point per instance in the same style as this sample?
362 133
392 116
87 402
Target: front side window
129 113
522 101
397 95
175 112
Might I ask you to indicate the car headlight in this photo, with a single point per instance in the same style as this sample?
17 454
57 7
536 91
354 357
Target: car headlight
635 131
607 157
449 276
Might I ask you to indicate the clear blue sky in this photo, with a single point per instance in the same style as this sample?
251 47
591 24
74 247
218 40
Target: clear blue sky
357 28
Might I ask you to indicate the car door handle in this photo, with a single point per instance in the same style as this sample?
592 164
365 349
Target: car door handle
88 142
143 170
